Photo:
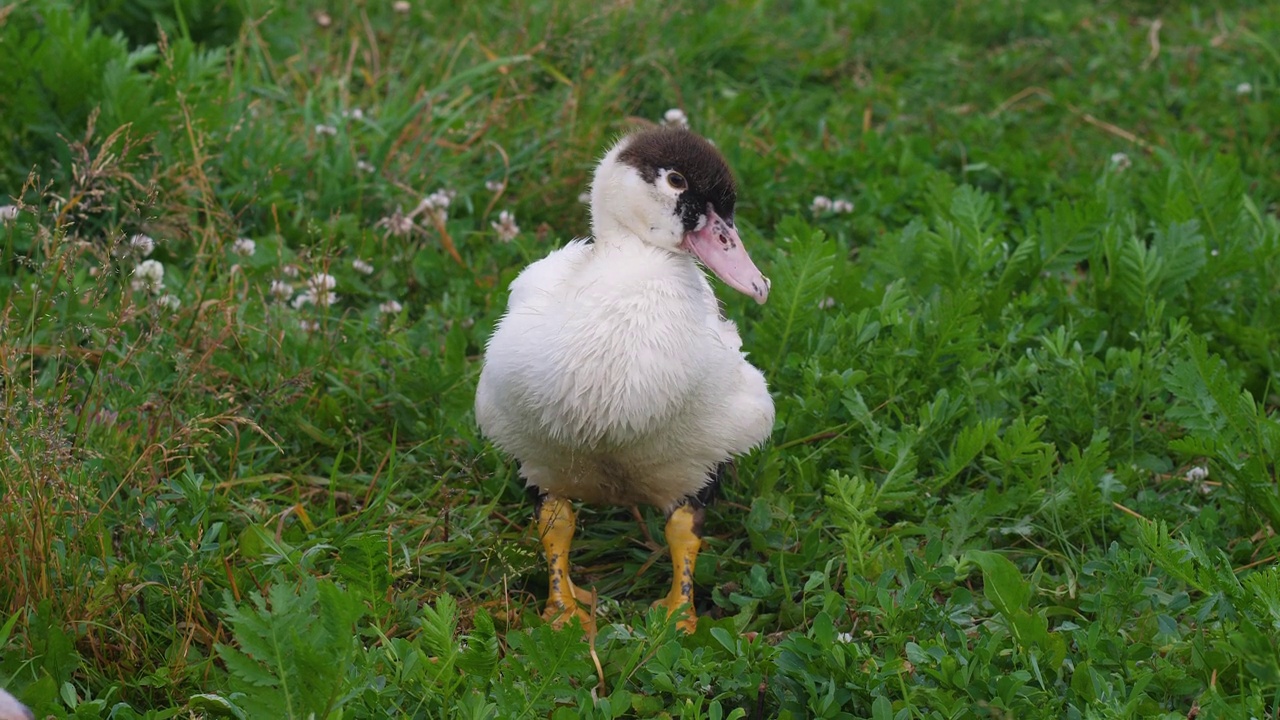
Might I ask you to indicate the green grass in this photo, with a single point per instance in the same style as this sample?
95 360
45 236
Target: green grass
1025 461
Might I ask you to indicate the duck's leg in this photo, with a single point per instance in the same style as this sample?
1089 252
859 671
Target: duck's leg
556 524
684 538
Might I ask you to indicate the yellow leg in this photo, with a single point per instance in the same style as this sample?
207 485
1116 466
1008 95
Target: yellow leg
556 524
684 538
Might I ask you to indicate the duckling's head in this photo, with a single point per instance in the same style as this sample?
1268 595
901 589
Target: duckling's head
672 189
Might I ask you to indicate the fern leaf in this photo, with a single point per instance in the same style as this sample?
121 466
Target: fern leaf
800 280
1182 250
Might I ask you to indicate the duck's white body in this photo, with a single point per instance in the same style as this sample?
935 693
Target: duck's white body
613 379
11 709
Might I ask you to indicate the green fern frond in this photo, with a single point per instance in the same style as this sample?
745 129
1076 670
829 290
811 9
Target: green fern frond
800 279
1227 425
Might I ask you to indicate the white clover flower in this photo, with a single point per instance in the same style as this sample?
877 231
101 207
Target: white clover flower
280 290
244 247
400 6
844 638
436 205
397 223
438 199
390 307
675 117
304 298
1197 473
142 244
364 166
309 325
820 204
322 282
290 270
149 276
506 227
841 207
362 267
320 289
169 302
353 114
322 129
1120 162
8 212
495 186
1244 88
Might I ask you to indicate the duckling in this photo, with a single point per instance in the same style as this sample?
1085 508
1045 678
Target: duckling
612 378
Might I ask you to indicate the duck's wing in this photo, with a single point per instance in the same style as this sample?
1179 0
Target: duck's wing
538 283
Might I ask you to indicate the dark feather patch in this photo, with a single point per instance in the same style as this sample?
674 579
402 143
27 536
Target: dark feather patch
670 148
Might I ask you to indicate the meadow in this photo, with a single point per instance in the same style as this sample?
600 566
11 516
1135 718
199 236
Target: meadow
1023 340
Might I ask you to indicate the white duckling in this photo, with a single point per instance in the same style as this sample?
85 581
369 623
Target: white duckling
612 378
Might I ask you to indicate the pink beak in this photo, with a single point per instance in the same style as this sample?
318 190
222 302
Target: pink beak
720 249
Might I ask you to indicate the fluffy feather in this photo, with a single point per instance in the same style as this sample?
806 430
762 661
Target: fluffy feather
612 377
11 709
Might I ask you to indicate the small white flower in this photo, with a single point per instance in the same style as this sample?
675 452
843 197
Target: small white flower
495 186
844 638
353 114
169 302
841 207
1120 162
506 227
244 246
322 282
820 204
390 307
280 290
439 199
826 303
1197 473
584 198
323 19
397 223
320 290
400 6
142 244
303 299
362 267
1244 88
675 117
322 129
436 205
149 275
364 166
8 212
309 325
290 271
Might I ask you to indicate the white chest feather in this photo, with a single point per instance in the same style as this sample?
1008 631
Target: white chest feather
612 377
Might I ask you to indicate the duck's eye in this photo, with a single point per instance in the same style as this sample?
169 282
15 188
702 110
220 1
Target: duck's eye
677 181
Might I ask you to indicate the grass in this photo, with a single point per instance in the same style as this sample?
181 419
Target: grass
1025 462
